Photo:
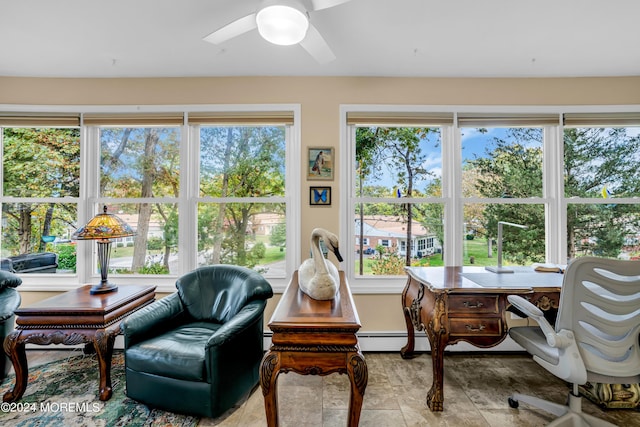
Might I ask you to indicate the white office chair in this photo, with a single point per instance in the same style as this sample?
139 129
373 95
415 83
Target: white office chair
596 335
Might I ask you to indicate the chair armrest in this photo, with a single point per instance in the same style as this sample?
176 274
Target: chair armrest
9 303
150 319
246 318
554 339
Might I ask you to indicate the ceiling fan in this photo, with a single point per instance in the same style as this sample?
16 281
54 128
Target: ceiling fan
282 22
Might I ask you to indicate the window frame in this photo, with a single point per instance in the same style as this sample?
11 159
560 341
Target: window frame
553 199
188 199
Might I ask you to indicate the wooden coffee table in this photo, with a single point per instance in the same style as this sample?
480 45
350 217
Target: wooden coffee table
72 318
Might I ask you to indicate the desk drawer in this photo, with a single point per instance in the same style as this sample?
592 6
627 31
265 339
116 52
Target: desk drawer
478 326
473 303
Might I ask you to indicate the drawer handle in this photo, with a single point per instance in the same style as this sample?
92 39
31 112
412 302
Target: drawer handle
478 329
478 304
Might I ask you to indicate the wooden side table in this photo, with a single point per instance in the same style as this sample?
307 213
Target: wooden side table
313 337
72 318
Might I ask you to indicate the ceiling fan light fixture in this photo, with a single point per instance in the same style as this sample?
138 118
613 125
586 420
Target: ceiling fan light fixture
282 25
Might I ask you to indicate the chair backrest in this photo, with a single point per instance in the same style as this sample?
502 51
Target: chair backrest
218 292
600 303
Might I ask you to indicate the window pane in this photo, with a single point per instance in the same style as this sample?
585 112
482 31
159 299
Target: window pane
242 161
36 237
154 248
602 162
41 162
502 162
139 162
247 234
398 162
382 234
520 246
603 230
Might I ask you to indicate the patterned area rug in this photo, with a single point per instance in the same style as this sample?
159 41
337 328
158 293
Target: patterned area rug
65 393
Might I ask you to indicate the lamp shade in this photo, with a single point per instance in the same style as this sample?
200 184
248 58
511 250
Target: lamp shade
282 24
103 226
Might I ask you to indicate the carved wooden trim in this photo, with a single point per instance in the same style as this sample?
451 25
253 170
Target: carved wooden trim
438 323
415 308
360 372
314 349
267 369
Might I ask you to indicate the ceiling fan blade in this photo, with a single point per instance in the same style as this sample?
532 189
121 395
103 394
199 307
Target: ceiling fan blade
325 4
317 46
232 30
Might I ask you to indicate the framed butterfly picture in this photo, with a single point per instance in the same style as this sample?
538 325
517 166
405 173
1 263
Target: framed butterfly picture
320 196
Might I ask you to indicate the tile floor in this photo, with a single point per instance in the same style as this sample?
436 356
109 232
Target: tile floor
476 391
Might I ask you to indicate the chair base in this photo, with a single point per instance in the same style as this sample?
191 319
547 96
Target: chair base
570 415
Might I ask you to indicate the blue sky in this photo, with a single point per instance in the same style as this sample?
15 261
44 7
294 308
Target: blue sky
473 144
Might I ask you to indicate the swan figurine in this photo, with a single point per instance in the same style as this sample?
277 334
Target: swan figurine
318 277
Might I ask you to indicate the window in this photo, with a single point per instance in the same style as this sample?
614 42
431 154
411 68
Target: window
557 199
242 204
396 188
602 183
198 187
139 180
502 181
41 186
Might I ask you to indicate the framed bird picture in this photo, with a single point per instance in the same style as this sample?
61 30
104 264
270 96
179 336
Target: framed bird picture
320 196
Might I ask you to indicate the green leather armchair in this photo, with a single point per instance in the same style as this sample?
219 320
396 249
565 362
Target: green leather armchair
198 351
9 302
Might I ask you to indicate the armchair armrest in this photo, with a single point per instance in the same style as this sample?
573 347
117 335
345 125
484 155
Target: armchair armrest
246 318
140 324
9 303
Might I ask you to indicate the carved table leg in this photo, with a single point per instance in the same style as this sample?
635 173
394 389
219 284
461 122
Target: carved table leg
412 297
103 345
14 348
269 371
438 338
358 376
407 352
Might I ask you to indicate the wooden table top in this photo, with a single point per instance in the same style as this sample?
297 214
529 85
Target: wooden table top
332 321
477 279
79 306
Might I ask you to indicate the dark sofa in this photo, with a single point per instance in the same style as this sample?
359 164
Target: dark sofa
40 262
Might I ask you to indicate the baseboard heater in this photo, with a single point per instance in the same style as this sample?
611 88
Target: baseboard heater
390 341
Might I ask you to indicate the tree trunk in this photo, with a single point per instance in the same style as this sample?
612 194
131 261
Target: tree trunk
24 233
46 226
144 209
218 226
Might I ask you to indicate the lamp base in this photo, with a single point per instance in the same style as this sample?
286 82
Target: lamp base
103 288
498 270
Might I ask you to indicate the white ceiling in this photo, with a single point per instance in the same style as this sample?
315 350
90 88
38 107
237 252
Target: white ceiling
422 38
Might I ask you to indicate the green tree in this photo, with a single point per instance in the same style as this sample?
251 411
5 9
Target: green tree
38 162
432 214
278 236
513 168
398 149
596 158
238 162
142 162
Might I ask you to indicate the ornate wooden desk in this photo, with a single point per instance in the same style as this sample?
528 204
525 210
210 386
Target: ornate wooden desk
72 318
453 304
314 337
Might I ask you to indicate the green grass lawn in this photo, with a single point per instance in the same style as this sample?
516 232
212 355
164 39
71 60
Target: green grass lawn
476 248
